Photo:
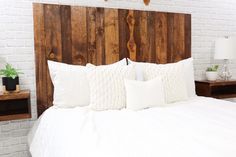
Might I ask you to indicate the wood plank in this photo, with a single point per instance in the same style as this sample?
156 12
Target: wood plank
170 37
131 45
91 25
188 39
151 38
123 33
141 35
52 26
100 36
66 33
179 38
40 57
23 94
161 37
79 35
111 36
15 117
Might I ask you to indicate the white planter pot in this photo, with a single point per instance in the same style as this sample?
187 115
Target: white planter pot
211 75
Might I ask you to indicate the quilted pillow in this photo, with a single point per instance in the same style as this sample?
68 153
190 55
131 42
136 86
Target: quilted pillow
173 79
107 90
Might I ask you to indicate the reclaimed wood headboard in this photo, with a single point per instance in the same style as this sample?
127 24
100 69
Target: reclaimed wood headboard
78 35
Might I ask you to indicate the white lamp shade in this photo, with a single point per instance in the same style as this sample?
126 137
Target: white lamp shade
225 48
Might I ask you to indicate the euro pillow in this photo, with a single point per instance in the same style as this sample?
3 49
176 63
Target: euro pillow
107 89
71 87
188 73
144 94
173 80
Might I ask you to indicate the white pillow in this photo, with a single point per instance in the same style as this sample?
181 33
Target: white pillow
188 71
107 90
122 62
173 79
189 76
144 94
71 87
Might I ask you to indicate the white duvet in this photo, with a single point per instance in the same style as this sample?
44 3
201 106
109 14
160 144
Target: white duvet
200 127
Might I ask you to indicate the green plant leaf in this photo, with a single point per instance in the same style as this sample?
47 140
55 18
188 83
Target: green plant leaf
9 71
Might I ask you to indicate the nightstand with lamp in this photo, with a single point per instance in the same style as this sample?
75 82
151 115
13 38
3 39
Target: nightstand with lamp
225 49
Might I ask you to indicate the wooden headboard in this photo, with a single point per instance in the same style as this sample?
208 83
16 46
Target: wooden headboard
78 35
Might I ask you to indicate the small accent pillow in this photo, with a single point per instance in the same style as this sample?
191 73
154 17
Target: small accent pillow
144 94
107 89
71 87
173 80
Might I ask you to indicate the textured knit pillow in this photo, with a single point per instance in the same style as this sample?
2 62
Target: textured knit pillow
173 79
107 90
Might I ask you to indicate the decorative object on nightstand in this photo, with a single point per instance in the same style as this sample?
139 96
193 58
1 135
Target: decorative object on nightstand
220 89
225 48
15 106
212 73
10 80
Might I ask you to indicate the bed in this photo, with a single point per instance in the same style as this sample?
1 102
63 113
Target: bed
199 127
195 126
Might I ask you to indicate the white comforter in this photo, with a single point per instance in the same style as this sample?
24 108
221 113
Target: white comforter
200 127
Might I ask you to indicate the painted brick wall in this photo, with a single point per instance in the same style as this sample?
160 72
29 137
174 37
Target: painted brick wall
210 19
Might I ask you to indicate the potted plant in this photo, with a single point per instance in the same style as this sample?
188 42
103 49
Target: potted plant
212 72
10 77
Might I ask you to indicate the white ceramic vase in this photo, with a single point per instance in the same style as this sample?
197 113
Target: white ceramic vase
211 75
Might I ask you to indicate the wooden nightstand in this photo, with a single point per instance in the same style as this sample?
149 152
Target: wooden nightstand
217 89
15 106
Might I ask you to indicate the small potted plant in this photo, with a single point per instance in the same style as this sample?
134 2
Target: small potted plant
212 72
10 77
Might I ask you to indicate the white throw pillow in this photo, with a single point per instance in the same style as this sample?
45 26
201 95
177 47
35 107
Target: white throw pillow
144 94
71 87
107 90
173 79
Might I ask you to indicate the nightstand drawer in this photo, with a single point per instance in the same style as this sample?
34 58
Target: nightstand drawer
15 106
11 107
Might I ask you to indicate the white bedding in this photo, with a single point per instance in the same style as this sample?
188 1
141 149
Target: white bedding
200 127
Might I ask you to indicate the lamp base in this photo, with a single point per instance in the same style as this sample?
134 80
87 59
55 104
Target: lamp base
225 73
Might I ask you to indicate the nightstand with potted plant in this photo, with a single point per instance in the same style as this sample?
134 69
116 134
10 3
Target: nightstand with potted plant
14 103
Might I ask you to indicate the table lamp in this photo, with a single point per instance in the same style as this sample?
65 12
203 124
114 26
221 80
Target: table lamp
225 49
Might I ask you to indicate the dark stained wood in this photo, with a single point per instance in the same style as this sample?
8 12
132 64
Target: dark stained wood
161 38
53 41
131 43
66 34
100 36
217 89
15 106
170 37
188 37
78 35
40 58
123 33
111 36
91 25
24 94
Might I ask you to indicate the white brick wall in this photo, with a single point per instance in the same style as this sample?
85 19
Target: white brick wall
210 19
